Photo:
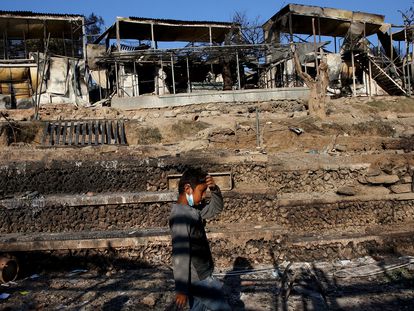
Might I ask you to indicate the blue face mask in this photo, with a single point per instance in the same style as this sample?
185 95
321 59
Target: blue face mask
190 199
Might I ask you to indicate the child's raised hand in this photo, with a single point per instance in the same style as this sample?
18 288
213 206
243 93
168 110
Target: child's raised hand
210 182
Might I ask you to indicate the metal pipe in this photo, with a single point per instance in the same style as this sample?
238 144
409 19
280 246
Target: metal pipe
72 39
9 269
99 81
314 46
116 79
172 73
134 79
238 71
370 78
85 51
188 76
407 51
152 36
257 128
353 75
118 36
137 76
64 43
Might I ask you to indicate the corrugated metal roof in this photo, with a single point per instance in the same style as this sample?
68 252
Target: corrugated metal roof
181 22
36 14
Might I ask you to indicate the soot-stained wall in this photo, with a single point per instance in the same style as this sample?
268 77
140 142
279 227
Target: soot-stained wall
247 210
73 177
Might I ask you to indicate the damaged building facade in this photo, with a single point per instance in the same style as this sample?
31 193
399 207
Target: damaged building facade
139 62
359 50
42 59
136 63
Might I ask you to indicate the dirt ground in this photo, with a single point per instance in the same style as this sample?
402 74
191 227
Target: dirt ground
361 284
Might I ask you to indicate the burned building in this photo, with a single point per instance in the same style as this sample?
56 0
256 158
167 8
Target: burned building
360 52
42 59
137 63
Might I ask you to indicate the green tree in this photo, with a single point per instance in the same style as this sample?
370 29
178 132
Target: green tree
94 26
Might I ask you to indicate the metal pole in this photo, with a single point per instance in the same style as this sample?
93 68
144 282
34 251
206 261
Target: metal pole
116 79
25 45
412 57
314 46
353 75
152 36
137 80
290 27
188 76
118 36
407 51
370 78
172 73
99 81
163 81
64 43
4 45
335 45
85 52
45 34
257 128
319 29
210 35
71 37
391 47
238 70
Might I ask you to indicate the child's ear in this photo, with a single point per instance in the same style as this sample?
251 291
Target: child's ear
188 189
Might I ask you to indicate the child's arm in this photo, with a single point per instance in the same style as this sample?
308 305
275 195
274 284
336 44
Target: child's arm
216 203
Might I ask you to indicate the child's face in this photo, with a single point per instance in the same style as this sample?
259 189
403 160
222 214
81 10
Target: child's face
199 193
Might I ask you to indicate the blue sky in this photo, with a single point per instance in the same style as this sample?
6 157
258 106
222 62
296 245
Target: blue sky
211 10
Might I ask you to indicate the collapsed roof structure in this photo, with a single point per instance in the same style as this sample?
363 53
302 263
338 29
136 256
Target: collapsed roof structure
143 67
357 59
42 58
131 57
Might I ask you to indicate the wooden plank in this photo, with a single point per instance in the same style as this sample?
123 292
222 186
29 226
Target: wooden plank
71 132
90 243
102 127
83 131
65 128
96 131
52 130
45 132
123 137
58 130
90 131
77 129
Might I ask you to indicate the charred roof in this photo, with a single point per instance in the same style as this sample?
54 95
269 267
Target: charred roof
168 30
332 22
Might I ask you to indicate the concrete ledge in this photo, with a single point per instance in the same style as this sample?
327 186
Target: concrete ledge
256 95
161 236
171 196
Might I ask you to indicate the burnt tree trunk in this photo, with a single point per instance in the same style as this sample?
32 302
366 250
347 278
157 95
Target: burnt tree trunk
317 87
227 77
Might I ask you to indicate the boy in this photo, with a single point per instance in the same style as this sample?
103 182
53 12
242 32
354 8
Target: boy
192 261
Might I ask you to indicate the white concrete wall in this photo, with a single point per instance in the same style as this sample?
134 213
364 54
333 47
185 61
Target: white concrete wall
171 100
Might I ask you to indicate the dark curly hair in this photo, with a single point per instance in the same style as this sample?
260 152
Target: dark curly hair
192 176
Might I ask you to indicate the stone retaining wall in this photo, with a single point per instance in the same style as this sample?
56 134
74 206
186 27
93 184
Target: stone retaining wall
116 176
248 210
